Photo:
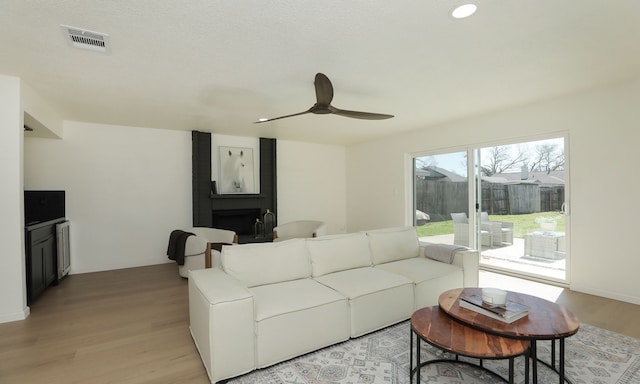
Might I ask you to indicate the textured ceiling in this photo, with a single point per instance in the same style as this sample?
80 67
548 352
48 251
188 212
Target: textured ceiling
220 65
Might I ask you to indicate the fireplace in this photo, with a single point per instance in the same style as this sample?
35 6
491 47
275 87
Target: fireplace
239 220
236 212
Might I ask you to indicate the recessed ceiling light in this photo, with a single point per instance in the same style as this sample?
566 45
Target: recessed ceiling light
463 11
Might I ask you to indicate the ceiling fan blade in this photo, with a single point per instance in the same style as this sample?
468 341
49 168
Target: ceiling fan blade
359 115
324 89
324 95
282 117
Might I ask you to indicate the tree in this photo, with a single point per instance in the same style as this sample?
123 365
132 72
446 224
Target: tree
547 157
500 159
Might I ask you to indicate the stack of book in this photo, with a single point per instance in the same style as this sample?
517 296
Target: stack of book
507 313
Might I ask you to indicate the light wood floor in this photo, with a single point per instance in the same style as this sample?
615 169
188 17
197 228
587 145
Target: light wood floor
123 326
131 326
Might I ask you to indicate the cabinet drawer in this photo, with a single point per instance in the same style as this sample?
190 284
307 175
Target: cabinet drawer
40 234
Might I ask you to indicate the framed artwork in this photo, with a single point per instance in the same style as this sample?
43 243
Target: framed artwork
237 174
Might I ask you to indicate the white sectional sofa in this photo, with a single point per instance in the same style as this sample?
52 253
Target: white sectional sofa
270 302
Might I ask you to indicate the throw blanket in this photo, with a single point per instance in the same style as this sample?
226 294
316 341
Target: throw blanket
442 252
177 242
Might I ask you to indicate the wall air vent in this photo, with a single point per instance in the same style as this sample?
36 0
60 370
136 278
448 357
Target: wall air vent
85 39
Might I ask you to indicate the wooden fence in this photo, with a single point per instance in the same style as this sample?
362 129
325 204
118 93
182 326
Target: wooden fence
440 198
551 198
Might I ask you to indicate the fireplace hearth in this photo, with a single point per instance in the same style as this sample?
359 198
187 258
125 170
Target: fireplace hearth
239 220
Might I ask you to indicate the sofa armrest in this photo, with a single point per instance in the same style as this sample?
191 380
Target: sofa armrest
195 246
198 246
221 320
214 235
467 259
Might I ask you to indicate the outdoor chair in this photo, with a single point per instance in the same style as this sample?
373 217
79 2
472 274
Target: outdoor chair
461 231
502 231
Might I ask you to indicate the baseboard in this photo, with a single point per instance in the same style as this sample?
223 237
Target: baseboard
606 294
16 316
112 267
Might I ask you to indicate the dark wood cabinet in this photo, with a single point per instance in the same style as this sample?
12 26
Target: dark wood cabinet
41 258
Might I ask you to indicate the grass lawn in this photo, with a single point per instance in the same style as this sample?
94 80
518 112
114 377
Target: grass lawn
522 224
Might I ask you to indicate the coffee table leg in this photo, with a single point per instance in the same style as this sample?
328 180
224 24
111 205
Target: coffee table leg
561 368
417 360
534 361
527 359
511 370
410 353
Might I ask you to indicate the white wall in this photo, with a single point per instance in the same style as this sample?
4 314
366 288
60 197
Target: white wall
126 189
39 111
603 142
12 271
312 183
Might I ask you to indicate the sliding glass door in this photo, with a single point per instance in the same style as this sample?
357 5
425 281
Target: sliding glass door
523 188
507 201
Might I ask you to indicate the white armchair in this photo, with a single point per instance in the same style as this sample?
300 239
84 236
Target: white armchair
502 231
198 253
461 231
299 229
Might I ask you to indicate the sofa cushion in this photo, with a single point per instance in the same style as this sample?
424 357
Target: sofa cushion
393 244
420 269
266 263
377 298
430 277
338 253
297 317
272 300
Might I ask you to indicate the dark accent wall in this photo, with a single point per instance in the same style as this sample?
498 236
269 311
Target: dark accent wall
204 202
201 178
268 185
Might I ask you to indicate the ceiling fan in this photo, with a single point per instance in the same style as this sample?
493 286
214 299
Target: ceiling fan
324 95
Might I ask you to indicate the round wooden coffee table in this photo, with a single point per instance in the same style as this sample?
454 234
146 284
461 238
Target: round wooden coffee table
545 321
440 330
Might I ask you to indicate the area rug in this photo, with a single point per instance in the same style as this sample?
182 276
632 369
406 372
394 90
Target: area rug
593 356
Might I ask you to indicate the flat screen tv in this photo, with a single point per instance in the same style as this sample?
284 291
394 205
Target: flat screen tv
41 206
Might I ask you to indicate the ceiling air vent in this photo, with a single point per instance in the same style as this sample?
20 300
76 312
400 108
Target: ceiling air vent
85 39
